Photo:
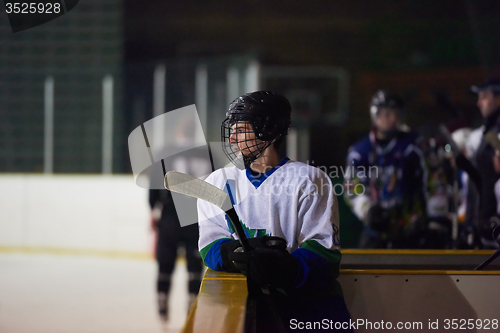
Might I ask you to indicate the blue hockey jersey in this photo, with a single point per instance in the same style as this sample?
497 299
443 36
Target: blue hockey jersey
391 174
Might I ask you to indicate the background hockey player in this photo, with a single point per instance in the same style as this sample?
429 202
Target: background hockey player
171 236
275 198
488 164
390 169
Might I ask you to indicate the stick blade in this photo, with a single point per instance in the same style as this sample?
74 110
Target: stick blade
191 186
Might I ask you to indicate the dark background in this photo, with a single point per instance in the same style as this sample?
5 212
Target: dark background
419 49
429 52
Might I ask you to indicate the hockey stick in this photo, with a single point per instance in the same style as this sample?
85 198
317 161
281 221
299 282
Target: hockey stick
191 186
443 130
496 236
188 185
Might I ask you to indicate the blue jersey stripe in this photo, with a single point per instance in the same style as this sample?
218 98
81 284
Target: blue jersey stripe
260 178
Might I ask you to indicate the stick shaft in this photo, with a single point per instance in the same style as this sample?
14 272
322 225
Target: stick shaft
238 229
488 261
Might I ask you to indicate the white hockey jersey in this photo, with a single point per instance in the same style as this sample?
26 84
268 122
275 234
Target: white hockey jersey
294 201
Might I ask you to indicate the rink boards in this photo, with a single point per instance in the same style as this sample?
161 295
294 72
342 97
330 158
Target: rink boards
404 290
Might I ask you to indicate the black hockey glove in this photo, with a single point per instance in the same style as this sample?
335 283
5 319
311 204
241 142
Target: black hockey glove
267 266
257 242
225 249
379 218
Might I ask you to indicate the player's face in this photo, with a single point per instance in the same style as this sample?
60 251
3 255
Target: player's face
244 140
487 102
386 120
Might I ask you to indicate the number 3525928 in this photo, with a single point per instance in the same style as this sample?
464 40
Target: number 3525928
32 8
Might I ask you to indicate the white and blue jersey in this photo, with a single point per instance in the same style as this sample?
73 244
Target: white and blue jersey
293 201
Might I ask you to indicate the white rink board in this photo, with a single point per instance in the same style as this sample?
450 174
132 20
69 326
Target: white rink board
422 298
83 212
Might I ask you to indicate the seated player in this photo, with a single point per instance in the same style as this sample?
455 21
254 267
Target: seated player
275 199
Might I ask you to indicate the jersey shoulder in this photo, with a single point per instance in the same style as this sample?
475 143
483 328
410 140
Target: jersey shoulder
220 176
305 173
409 137
360 150
474 141
306 169
407 141
362 146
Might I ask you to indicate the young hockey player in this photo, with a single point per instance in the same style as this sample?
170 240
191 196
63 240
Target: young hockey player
288 211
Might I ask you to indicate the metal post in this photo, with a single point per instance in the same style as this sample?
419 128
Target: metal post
303 145
107 124
252 77
48 157
201 94
292 144
232 84
159 84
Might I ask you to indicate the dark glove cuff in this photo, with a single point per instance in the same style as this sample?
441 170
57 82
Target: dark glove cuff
290 272
277 268
225 249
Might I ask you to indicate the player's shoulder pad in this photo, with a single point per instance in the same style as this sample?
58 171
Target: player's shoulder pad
220 176
306 169
362 147
412 136
408 138
308 175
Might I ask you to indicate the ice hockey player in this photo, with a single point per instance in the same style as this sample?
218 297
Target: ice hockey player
288 211
386 182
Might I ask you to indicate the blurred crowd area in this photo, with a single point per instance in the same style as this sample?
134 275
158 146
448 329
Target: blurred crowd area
141 59
431 187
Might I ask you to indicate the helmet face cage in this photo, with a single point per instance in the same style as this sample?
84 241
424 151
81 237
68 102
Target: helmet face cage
265 118
248 142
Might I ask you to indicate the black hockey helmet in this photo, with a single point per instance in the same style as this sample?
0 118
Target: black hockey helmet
268 113
384 99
